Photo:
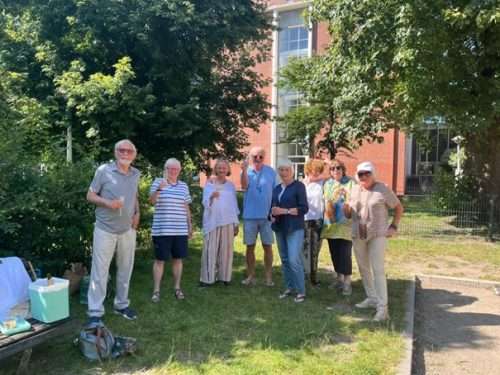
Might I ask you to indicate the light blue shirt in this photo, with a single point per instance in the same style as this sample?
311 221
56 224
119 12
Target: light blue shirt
259 193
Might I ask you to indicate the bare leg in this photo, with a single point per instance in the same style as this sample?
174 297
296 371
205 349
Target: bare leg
177 272
158 267
250 257
268 262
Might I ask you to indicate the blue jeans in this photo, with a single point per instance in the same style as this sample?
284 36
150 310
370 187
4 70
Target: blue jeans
290 249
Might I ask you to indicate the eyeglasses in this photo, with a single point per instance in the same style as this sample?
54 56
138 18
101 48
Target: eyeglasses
257 157
336 167
364 174
126 151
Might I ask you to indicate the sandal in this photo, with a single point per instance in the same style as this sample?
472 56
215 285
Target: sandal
156 297
300 298
249 281
178 294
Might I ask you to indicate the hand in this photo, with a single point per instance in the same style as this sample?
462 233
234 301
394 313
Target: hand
164 183
114 204
236 230
276 211
293 211
215 194
135 221
391 232
244 164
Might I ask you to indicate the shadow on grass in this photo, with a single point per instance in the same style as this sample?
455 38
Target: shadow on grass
223 323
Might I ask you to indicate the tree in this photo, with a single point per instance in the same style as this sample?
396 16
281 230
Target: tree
393 63
313 124
174 76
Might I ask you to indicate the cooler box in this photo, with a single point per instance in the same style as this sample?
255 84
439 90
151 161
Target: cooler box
49 303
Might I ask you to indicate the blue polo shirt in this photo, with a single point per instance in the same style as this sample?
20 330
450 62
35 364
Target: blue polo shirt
259 193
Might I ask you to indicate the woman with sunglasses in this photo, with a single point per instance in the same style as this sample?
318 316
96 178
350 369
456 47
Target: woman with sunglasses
368 206
336 227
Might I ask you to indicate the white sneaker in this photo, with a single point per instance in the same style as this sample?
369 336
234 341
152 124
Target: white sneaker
367 304
381 315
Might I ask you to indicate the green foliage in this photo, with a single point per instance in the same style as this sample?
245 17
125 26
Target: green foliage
452 193
393 63
174 76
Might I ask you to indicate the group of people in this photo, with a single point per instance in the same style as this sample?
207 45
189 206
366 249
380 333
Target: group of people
327 204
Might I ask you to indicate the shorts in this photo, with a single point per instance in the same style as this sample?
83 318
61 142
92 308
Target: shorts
252 227
167 247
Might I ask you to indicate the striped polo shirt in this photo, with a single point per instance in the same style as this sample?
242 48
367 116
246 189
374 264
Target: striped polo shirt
170 216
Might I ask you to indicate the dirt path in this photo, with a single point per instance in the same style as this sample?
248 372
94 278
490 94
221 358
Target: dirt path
457 330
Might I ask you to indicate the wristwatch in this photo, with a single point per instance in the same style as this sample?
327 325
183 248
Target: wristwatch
288 211
393 226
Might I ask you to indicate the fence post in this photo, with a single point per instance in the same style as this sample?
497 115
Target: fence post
491 221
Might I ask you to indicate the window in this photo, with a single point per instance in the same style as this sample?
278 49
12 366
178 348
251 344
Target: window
293 41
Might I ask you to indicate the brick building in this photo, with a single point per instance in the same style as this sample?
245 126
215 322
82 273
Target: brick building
400 162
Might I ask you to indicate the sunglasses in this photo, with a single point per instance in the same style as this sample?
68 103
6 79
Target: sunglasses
364 174
337 167
257 157
126 151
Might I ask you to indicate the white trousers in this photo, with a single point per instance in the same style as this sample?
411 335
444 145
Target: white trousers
370 258
104 246
217 255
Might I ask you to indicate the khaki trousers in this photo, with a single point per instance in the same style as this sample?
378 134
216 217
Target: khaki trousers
217 255
104 246
370 257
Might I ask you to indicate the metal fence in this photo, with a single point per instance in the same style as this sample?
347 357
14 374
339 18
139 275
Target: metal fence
424 217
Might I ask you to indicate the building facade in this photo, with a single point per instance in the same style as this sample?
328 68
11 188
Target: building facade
401 163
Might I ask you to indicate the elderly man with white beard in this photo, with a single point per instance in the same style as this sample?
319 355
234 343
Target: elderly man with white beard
114 191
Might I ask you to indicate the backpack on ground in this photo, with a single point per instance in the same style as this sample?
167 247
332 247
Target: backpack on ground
98 343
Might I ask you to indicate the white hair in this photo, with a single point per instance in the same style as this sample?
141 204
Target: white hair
119 143
284 163
172 162
258 150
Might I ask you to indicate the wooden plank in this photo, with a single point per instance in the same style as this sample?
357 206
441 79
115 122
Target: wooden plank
26 340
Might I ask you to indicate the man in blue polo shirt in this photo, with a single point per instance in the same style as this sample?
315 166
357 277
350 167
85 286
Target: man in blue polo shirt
258 181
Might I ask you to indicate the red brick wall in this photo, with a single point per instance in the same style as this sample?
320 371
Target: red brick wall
390 162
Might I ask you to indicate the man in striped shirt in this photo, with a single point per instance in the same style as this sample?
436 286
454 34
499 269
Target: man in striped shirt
171 225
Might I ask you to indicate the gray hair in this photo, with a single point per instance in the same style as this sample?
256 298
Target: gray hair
284 163
172 162
119 143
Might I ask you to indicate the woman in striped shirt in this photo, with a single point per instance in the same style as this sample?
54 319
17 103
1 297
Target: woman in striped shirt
171 225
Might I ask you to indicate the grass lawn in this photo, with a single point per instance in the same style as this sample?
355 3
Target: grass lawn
240 330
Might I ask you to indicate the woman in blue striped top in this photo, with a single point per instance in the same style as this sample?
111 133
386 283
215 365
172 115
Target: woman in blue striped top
171 225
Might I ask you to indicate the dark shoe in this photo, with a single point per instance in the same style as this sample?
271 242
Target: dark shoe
204 285
285 294
179 294
226 283
300 298
94 321
127 313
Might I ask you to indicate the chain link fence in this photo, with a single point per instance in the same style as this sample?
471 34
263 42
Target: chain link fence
424 217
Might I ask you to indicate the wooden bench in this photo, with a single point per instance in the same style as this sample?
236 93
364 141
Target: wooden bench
25 341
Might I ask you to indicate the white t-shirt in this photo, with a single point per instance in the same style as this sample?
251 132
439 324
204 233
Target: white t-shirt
223 210
314 191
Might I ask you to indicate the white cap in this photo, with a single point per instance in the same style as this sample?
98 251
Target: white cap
365 166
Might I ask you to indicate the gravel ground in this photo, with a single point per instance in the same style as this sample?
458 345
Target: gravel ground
457 330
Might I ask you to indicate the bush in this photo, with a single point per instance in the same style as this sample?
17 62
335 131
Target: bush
45 217
451 192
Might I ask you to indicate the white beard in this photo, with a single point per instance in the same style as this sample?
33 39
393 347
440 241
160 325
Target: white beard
125 162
